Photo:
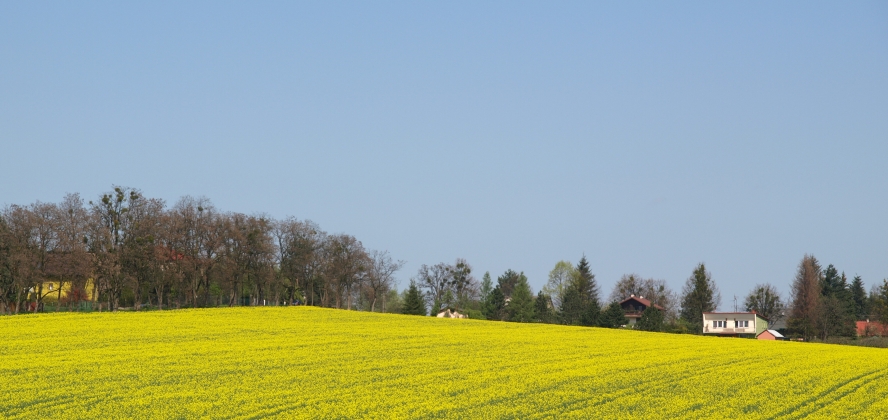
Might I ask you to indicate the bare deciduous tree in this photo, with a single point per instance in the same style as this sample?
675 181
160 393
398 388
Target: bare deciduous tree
380 276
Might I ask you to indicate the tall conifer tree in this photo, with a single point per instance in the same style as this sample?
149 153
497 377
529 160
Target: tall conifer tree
699 295
804 310
414 304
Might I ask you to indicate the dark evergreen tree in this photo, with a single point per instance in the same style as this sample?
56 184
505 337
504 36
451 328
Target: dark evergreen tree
651 320
493 307
414 304
571 307
699 295
586 284
858 298
520 307
580 302
836 315
613 316
507 282
878 302
541 309
831 283
590 314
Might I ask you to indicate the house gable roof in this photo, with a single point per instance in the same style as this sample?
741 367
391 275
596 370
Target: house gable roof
642 301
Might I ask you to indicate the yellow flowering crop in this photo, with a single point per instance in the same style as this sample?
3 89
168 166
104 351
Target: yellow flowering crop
303 362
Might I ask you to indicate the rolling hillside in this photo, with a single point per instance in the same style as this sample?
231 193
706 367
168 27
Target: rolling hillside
323 363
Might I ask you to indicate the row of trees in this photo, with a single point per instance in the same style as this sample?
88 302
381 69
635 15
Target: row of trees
125 249
131 250
823 303
511 297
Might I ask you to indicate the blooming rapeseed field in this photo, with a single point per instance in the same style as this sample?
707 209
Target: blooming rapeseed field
323 363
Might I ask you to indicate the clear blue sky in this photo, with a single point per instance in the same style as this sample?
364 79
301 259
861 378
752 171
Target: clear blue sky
648 136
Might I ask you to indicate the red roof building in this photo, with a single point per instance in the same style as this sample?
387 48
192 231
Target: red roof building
871 328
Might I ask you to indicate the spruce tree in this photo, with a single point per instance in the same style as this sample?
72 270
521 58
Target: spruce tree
585 282
836 315
492 308
858 298
414 304
699 295
520 307
879 302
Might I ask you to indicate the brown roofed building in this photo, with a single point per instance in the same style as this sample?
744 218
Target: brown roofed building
634 306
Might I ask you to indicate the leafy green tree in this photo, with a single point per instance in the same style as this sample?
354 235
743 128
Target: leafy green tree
493 307
859 301
394 301
651 320
559 280
765 301
520 307
613 316
414 304
700 294
542 311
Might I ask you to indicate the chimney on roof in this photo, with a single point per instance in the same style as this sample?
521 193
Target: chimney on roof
631 295
641 297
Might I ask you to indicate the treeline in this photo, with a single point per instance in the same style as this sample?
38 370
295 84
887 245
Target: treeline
823 304
571 296
128 250
125 249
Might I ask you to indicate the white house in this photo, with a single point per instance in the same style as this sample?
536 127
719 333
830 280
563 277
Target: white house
734 324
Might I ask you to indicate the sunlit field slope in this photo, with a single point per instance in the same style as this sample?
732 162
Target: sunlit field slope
322 363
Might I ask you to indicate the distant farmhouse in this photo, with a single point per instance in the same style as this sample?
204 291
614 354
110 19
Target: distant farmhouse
634 306
738 324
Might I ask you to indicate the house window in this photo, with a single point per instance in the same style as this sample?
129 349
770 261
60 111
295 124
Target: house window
742 324
719 324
